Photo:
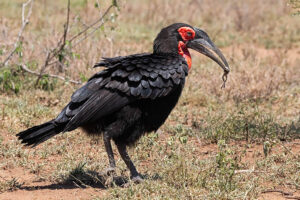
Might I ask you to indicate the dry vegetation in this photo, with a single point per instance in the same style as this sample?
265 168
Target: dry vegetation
242 142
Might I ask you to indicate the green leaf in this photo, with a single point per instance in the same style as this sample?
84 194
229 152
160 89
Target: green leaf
102 28
19 49
75 55
183 139
83 78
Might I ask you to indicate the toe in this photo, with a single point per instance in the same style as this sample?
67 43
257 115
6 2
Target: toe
137 179
110 171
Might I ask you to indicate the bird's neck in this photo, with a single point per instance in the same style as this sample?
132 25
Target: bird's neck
170 46
184 52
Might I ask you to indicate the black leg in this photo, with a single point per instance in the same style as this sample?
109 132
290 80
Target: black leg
112 163
135 176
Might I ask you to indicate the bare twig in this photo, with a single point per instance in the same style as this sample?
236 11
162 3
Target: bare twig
279 191
88 35
25 21
80 182
247 171
62 43
43 68
58 49
52 53
24 67
92 26
287 195
295 197
289 151
66 28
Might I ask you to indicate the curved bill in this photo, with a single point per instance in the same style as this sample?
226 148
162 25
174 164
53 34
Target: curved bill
204 45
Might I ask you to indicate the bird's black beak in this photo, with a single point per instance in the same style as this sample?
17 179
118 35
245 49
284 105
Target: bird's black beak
204 45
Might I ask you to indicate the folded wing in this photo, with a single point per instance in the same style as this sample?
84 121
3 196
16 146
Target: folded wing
124 81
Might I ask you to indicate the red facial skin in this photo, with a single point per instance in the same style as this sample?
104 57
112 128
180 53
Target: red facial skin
184 52
186 34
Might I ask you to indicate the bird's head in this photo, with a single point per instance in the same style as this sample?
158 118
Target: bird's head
178 38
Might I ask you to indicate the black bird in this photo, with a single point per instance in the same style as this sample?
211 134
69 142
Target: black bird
133 95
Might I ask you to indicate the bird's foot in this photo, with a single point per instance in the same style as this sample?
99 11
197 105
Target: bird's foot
111 171
109 181
137 179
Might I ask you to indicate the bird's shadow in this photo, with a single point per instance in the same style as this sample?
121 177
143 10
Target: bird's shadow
87 179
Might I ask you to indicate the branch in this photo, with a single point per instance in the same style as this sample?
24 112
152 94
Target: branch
289 151
247 171
279 191
293 197
287 195
62 43
24 67
91 25
43 68
67 24
88 35
59 48
25 21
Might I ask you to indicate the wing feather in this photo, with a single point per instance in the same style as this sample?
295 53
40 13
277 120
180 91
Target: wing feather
101 104
125 80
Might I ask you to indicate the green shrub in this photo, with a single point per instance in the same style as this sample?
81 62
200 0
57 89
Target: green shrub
10 80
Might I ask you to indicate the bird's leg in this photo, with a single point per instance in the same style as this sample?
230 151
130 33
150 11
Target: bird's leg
112 163
135 176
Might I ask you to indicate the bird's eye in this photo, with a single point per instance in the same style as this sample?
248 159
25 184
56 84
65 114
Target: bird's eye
186 33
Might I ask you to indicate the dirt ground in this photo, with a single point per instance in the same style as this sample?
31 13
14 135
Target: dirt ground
33 188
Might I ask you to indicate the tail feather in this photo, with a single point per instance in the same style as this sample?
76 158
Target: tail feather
38 134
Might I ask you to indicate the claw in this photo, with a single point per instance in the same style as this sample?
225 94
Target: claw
137 179
111 171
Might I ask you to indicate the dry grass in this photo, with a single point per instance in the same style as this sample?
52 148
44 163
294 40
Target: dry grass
209 138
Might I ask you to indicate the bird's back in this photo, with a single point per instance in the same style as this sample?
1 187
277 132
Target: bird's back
149 83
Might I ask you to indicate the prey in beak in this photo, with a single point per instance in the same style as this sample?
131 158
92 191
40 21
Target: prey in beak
203 44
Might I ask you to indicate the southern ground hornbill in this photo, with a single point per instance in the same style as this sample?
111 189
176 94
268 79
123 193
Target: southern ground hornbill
133 95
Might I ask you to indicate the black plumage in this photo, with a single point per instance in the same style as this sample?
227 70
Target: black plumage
133 95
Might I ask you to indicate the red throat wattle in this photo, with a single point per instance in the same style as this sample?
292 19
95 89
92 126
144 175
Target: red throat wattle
184 52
